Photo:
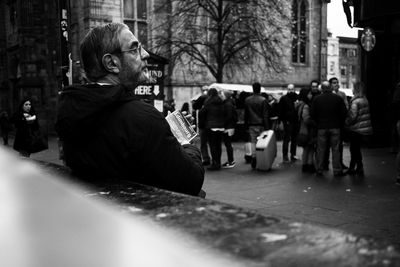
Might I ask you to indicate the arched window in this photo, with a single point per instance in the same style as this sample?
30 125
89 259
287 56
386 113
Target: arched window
299 31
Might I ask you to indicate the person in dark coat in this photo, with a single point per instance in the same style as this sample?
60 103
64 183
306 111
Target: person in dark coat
26 122
197 105
212 117
288 116
329 112
230 118
256 118
5 126
110 135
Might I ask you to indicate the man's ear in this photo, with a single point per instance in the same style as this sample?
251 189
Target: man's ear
111 63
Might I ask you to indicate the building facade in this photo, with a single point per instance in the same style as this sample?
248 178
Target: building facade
333 57
349 62
344 61
39 52
305 58
380 64
30 56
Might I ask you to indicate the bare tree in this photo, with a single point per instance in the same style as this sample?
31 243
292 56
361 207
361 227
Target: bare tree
221 34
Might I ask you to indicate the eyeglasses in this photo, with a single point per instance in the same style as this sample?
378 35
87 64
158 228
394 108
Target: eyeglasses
135 50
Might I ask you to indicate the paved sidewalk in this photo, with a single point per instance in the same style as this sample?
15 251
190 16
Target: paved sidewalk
370 207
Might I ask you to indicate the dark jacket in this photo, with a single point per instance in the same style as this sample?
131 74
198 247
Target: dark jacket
23 131
328 111
107 134
212 113
230 114
286 108
256 109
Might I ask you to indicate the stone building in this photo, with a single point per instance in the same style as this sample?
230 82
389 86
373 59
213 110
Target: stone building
349 62
333 57
306 61
30 56
344 60
39 52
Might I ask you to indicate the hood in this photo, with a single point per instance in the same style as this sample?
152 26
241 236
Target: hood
81 107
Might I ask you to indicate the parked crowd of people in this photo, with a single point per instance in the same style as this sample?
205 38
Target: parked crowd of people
318 119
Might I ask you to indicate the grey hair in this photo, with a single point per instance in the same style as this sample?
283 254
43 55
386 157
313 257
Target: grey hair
98 42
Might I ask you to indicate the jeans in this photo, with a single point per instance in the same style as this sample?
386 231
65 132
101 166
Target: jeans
215 141
204 144
254 132
228 145
289 135
325 137
308 155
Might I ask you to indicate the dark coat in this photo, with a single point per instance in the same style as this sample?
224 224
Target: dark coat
23 133
230 114
286 108
108 134
328 111
256 109
212 113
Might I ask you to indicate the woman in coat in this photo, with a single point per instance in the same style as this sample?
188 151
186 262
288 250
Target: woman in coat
308 125
358 123
25 121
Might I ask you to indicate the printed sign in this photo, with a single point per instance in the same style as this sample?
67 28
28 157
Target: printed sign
180 127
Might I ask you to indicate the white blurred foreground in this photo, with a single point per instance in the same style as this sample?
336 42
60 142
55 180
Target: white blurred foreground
45 222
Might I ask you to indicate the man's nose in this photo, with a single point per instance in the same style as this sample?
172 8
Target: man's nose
144 54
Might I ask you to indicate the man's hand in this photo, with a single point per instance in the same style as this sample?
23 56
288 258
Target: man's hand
190 119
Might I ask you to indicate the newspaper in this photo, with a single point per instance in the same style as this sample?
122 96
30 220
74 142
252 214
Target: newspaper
180 127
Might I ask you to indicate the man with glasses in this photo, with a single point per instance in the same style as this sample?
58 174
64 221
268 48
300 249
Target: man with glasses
110 135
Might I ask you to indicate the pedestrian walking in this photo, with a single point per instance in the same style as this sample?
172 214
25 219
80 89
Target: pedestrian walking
307 132
5 126
358 123
26 122
108 134
329 112
288 116
230 118
256 118
197 105
212 116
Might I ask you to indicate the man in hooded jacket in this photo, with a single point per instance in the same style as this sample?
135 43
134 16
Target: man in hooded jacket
110 135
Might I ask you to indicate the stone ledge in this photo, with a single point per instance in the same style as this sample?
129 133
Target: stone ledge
249 238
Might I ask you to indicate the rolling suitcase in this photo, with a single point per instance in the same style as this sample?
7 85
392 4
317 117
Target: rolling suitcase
266 150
